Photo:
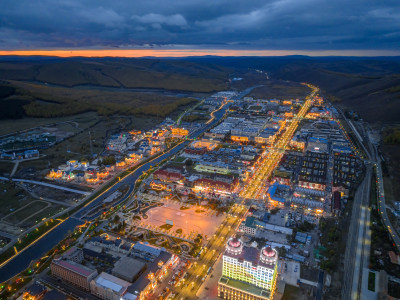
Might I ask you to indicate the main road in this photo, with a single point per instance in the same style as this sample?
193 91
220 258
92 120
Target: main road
22 260
358 241
235 216
268 163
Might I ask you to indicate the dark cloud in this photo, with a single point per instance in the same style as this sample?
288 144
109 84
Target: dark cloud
250 24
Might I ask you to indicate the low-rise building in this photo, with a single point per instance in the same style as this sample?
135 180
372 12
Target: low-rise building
31 153
108 287
128 268
212 167
72 272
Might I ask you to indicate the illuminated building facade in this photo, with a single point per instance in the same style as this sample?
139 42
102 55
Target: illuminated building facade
247 272
72 272
180 132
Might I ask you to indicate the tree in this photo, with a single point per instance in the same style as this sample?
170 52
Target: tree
281 251
189 162
116 219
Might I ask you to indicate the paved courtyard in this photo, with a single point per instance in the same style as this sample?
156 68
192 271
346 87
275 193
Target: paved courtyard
188 220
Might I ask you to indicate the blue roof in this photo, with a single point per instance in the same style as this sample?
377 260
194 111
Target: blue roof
272 190
146 247
321 140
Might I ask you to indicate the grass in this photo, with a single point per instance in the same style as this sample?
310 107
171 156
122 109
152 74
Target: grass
371 281
28 238
280 90
12 198
291 292
50 101
166 226
46 213
389 194
394 289
6 167
31 209
9 126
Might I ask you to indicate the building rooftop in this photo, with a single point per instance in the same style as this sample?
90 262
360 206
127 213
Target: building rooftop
55 295
75 267
128 267
141 283
109 281
36 289
239 285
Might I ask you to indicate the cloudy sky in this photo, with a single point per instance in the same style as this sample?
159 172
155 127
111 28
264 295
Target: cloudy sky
372 25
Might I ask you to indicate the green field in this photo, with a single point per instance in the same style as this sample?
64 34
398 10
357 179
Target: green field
10 125
50 101
23 213
131 73
11 198
46 213
280 90
6 168
123 86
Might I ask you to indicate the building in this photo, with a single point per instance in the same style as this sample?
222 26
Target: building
215 185
73 272
55 174
128 268
319 145
158 262
247 272
248 226
277 193
109 287
336 202
168 175
251 226
55 295
34 292
31 153
179 132
212 167
209 145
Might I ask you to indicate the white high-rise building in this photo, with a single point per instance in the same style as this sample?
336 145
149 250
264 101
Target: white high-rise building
247 271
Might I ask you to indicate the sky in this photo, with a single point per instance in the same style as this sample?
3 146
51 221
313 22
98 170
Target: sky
370 27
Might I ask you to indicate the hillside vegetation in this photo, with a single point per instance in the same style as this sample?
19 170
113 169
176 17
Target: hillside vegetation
46 87
128 73
369 86
36 100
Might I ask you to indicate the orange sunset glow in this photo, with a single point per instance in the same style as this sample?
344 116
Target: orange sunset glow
184 52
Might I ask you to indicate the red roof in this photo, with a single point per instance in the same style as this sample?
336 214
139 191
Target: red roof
196 151
171 176
74 267
214 183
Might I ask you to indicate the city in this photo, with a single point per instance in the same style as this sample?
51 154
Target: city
237 205
199 150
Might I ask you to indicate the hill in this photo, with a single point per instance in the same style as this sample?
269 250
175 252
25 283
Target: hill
368 85
112 72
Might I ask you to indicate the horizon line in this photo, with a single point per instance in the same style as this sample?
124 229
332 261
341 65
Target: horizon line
136 53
